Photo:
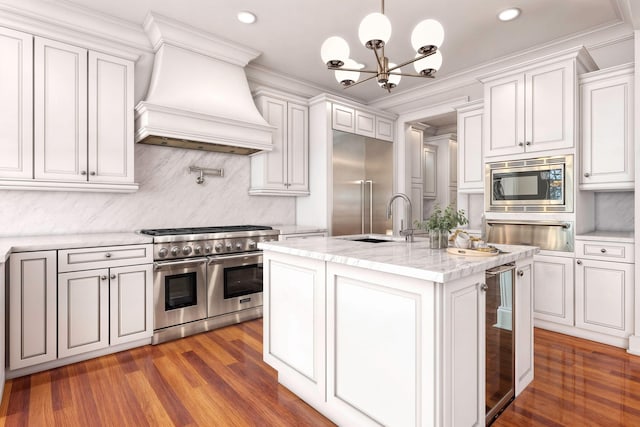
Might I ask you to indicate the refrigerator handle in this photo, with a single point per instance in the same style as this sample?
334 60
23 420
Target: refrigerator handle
370 205
362 206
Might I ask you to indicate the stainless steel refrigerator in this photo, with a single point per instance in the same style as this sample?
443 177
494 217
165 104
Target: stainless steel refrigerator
362 184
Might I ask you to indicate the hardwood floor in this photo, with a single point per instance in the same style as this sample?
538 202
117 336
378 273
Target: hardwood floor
218 379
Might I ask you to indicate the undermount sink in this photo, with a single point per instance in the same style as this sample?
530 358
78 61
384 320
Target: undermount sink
371 240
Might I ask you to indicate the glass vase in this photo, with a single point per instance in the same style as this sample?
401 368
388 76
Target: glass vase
438 239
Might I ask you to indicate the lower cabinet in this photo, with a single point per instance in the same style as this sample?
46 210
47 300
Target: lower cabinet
59 309
553 289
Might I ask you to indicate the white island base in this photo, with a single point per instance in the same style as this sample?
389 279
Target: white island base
378 335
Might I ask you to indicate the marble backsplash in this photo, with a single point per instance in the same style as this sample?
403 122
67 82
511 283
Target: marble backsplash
168 197
614 211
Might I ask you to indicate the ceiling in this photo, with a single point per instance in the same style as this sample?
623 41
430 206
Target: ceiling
289 33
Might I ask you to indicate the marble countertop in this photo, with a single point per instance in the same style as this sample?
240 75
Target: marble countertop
398 257
67 241
298 229
608 236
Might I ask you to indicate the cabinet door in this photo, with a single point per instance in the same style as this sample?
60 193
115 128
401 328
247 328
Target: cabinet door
110 118
553 289
344 118
415 146
384 129
60 111
131 303
32 308
365 124
297 147
274 112
604 297
504 110
416 202
16 104
607 133
430 171
83 311
523 296
550 106
470 151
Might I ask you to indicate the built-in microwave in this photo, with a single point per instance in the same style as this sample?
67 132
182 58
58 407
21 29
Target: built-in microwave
533 185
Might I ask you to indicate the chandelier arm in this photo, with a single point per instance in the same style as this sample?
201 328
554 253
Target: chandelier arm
414 75
361 81
412 60
378 59
352 69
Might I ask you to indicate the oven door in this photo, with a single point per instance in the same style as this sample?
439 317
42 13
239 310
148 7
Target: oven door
234 283
179 292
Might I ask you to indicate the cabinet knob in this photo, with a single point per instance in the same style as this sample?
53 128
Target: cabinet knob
579 262
83 172
113 276
520 273
528 142
520 144
107 255
484 287
103 277
587 174
92 173
603 250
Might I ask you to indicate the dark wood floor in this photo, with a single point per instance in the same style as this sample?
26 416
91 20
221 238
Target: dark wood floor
219 379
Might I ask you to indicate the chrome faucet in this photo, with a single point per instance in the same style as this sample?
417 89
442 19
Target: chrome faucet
408 232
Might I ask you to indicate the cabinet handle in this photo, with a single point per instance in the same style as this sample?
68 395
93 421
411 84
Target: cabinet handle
520 144
528 142
587 174
579 262
520 273
113 276
107 255
92 173
603 250
83 172
103 277
484 287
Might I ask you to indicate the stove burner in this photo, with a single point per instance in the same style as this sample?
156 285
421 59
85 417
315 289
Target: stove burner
203 230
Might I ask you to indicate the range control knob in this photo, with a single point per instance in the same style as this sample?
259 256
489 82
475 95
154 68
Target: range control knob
228 246
239 246
218 247
186 250
252 244
175 250
207 249
197 250
163 252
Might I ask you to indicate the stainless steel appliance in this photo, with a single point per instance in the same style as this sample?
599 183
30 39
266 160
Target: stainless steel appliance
499 340
362 184
206 277
534 185
547 235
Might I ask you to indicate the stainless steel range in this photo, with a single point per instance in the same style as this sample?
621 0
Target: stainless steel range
206 277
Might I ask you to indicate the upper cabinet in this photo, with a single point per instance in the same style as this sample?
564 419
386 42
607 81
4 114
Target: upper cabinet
353 120
606 103
285 170
16 104
470 148
533 109
81 136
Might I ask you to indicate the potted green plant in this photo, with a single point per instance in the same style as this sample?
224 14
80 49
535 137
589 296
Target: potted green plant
440 223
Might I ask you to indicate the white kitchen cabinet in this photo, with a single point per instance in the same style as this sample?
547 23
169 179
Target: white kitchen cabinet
553 289
32 308
16 104
365 123
470 166
83 311
605 297
285 170
523 296
343 118
607 129
445 186
131 303
430 171
532 108
415 141
60 111
3 324
384 129
416 196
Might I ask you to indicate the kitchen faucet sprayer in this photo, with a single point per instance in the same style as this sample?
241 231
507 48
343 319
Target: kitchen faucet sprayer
408 232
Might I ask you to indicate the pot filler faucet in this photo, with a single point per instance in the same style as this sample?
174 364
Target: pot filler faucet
408 232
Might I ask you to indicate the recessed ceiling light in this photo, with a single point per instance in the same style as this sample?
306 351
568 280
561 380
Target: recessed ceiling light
509 14
246 17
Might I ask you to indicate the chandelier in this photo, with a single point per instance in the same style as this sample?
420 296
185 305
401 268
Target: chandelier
374 32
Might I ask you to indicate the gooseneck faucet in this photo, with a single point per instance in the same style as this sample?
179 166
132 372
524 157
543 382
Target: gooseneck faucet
408 232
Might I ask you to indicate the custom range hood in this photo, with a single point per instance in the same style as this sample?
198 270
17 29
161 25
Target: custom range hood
199 97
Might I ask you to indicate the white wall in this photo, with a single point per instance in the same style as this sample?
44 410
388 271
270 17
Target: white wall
168 197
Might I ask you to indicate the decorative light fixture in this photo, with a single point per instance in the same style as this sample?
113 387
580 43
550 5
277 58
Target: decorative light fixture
246 17
509 14
374 33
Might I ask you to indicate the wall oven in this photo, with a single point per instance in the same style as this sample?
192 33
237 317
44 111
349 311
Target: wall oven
533 185
234 283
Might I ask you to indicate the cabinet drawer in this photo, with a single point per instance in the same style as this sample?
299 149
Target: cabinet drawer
622 252
102 257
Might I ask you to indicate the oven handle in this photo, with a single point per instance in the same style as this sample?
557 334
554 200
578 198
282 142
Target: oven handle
536 223
159 264
211 260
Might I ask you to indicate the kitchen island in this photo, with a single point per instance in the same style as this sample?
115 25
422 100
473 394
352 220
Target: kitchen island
388 333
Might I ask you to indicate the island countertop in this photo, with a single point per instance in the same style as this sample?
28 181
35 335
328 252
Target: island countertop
414 259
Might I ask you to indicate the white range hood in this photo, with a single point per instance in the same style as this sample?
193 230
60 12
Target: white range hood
199 97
